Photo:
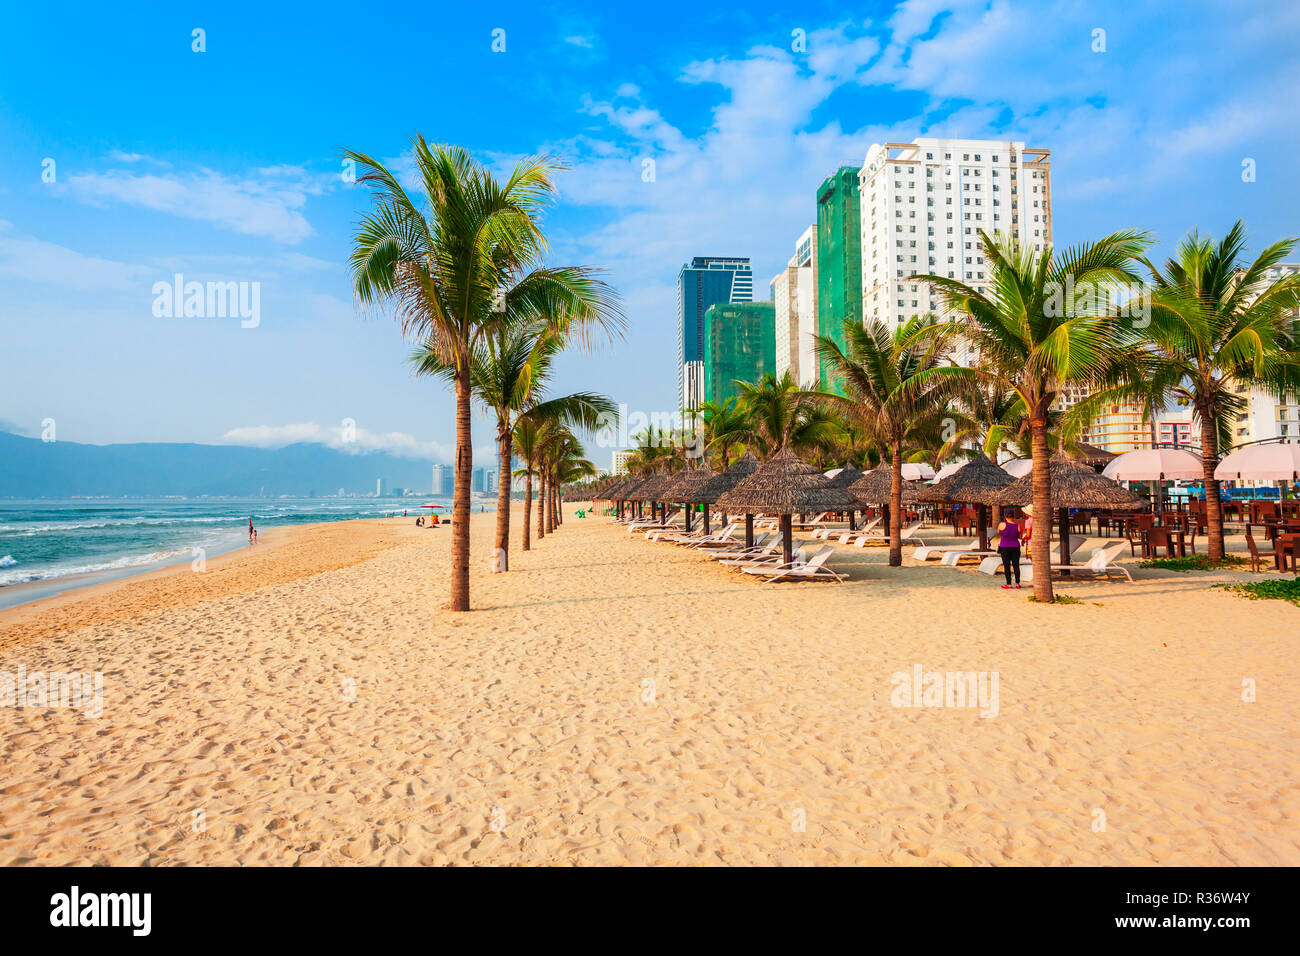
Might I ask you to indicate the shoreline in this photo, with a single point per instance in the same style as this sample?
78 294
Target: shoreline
225 573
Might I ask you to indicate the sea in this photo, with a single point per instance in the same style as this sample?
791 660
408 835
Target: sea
49 546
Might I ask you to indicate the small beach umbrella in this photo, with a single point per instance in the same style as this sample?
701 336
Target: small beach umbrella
978 482
1018 467
683 487
709 492
1074 485
917 471
843 478
786 485
1273 461
873 488
950 469
652 490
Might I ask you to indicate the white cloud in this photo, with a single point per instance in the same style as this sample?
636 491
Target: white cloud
270 207
35 260
585 42
358 441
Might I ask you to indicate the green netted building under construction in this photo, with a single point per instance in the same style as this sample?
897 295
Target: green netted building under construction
739 344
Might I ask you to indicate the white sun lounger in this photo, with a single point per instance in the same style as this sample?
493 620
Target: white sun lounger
801 567
905 535
847 536
926 553
993 563
1101 562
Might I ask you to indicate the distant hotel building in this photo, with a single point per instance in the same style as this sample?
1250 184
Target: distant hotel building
1265 417
739 345
839 258
794 292
706 281
923 206
444 479
618 463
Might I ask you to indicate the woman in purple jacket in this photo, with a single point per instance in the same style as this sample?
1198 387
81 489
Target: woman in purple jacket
1009 548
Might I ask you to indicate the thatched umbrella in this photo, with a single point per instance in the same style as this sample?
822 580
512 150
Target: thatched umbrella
717 486
652 490
787 485
873 488
632 491
1074 485
683 489
843 478
978 482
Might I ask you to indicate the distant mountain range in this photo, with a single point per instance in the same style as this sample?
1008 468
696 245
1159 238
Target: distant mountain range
31 468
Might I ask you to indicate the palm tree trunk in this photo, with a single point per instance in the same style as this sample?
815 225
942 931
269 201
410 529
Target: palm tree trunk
460 497
896 505
505 445
528 503
1040 544
1213 507
541 504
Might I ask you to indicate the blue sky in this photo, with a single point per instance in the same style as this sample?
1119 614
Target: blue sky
225 166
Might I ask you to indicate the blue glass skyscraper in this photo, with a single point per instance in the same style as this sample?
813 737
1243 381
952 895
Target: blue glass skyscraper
706 281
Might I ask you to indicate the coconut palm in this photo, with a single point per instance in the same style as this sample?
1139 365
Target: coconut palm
1031 340
439 257
510 367
776 413
1219 327
879 370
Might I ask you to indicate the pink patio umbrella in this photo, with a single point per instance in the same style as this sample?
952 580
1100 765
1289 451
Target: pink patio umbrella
1154 464
1019 467
1274 461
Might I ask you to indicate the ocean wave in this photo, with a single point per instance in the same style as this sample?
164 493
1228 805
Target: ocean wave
7 561
28 529
130 561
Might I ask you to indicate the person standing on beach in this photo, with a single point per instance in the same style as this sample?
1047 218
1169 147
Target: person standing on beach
1009 548
250 529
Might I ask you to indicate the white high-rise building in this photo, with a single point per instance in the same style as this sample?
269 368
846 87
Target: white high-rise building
923 205
794 290
1265 417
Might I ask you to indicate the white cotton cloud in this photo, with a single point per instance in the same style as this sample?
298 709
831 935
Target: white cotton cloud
269 207
345 437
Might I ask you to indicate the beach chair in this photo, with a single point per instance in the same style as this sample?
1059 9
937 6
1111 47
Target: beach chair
926 553
803 566
720 538
1101 562
1256 555
993 563
646 524
737 549
906 535
769 554
867 528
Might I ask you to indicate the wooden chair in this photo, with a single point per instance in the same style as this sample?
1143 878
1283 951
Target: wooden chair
1256 556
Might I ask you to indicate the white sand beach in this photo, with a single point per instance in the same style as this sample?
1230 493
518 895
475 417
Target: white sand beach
310 702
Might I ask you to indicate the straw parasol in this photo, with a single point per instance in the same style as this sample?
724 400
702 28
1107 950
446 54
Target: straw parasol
843 477
652 490
717 486
978 482
785 484
873 488
683 488
1074 485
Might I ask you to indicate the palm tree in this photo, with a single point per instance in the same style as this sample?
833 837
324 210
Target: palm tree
880 371
1219 327
439 258
776 413
714 421
509 369
1031 341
